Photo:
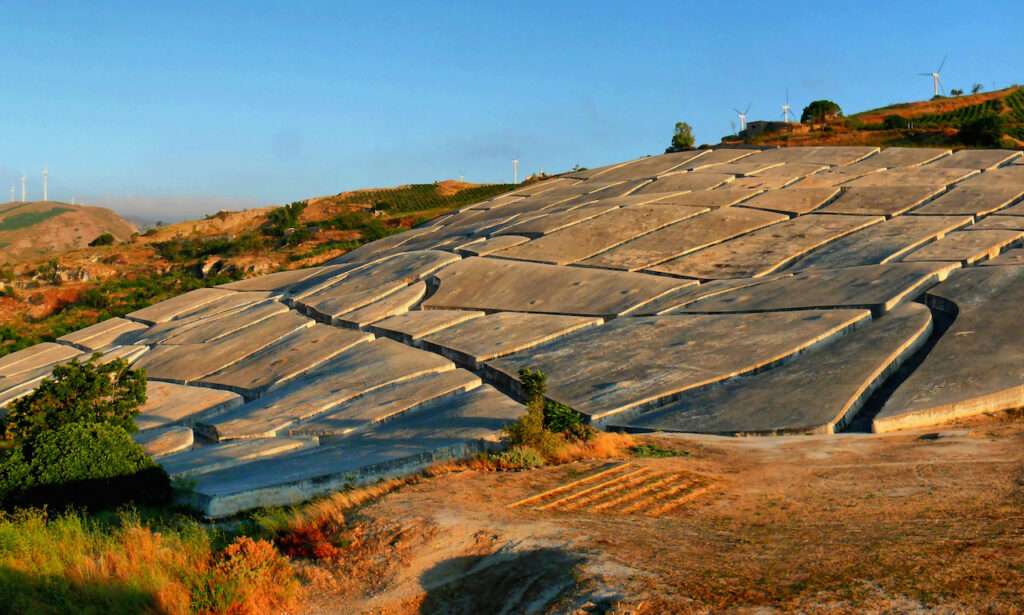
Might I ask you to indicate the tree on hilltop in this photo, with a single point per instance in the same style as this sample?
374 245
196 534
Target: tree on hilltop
682 139
820 111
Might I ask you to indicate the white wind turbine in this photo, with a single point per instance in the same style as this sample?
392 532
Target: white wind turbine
785 108
743 117
45 172
22 187
935 77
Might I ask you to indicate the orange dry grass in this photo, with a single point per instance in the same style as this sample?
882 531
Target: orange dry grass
604 445
70 564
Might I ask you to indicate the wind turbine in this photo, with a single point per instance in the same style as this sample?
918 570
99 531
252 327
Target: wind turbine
45 171
743 117
785 108
515 170
22 187
12 194
935 77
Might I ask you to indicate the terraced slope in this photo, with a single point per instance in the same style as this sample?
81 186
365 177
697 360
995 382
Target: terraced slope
737 291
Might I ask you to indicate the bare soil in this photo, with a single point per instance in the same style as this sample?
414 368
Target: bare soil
909 522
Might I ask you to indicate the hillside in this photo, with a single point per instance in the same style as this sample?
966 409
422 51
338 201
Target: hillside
33 230
931 123
63 288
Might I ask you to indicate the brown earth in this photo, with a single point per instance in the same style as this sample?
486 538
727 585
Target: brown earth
67 230
856 523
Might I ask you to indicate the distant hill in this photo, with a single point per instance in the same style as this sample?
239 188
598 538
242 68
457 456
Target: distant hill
929 123
41 228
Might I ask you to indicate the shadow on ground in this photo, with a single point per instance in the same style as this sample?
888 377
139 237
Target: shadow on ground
506 582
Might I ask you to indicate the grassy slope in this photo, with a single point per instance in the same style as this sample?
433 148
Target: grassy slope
46 299
31 230
935 122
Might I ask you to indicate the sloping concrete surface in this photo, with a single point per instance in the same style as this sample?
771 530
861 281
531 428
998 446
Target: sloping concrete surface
722 290
814 393
978 364
668 356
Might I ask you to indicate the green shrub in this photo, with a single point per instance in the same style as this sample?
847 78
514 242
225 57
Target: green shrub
86 465
894 122
656 451
520 457
559 417
90 392
986 131
284 218
546 426
106 239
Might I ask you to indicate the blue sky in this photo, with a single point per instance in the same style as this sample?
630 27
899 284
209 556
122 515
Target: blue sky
175 109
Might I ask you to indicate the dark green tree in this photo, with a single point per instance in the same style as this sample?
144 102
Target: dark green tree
976 88
682 138
89 392
956 92
284 218
105 239
90 465
986 131
74 446
894 122
820 112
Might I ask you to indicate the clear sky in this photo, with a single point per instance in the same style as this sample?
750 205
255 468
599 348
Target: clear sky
175 109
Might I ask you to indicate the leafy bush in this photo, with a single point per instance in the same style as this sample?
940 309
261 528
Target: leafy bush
106 239
284 218
520 457
73 441
986 131
559 417
89 465
90 392
546 426
894 122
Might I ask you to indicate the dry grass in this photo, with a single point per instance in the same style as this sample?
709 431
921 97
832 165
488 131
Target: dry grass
73 564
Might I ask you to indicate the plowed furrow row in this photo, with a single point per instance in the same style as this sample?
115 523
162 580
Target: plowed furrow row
569 486
626 498
656 498
597 497
589 490
676 503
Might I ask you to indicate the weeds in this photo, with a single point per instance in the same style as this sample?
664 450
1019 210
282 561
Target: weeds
656 451
71 563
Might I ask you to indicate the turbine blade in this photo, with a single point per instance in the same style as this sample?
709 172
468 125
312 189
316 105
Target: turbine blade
738 112
748 108
787 94
943 63
925 74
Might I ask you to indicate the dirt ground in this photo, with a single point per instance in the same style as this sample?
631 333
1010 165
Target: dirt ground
911 522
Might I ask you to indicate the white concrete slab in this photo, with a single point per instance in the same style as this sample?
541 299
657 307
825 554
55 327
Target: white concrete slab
497 285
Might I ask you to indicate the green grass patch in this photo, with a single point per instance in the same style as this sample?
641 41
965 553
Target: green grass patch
26 219
656 451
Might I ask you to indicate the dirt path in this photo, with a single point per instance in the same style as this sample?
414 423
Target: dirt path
902 523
